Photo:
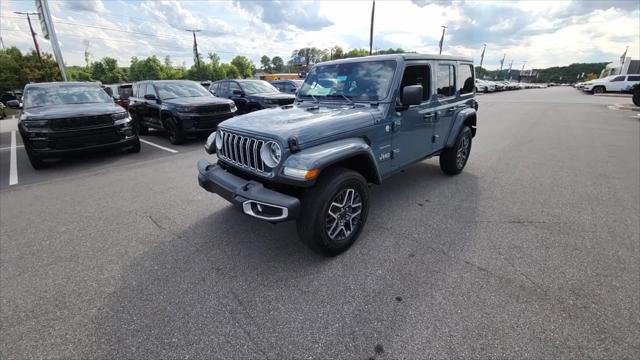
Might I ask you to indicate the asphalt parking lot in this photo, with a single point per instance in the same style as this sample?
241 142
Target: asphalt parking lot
532 252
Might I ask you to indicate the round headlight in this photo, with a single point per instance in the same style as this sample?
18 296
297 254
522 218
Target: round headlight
218 140
271 154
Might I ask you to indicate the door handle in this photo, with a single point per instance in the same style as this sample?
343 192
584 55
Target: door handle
429 117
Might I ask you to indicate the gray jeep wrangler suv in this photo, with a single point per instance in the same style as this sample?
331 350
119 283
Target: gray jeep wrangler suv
354 122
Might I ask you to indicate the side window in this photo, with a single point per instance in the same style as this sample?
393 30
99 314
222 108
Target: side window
465 78
150 90
619 78
223 88
634 78
233 86
289 88
446 81
214 87
417 75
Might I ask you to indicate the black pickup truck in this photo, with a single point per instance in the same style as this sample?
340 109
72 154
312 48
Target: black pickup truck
179 107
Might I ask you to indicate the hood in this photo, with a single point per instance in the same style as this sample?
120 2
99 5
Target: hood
198 100
276 95
305 123
71 110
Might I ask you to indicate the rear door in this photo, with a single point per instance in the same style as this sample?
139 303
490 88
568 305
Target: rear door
445 101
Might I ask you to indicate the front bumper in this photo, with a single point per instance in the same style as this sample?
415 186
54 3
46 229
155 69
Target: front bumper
251 196
199 123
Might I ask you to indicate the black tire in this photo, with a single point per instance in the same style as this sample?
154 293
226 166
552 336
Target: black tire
36 162
316 222
137 125
599 90
454 159
636 98
135 148
174 130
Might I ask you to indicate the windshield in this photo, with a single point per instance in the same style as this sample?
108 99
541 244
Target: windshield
172 90
258 87
366 81
61 94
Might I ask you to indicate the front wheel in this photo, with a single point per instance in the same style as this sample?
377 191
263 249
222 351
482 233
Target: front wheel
334 211
636 98
176 135
135 148
599 90
454 159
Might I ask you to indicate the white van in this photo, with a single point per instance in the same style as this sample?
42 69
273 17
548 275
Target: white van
615 83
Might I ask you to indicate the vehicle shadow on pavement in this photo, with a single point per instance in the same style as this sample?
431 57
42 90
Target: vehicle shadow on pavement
230 286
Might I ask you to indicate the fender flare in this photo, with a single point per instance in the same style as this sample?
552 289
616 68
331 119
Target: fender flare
331 153
458 123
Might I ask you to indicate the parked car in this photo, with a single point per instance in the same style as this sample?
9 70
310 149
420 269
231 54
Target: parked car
179 107
636 94
10 95
287 86
120 93
59 118
481 86
355 121
614 83
251 95
488 86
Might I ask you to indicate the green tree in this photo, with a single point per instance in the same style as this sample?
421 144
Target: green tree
356 53
244 66
17 70
147 69
77 73
278 64
231 71
267 67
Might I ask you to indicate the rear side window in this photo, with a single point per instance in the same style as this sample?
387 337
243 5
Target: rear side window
418 75
634 78
618 78
446 81
234 86
465 78
223 88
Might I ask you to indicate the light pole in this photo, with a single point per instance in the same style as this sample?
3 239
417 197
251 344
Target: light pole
373 11
33 33
444 28
482 55
195 48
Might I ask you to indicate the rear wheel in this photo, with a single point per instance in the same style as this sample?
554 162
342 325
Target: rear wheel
137 125
174 130
454 159
334 211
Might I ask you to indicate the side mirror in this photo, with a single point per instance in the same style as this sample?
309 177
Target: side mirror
150 97
238 92
14 104
411 95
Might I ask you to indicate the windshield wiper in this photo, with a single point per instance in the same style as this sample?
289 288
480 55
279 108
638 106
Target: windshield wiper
346 98
315 100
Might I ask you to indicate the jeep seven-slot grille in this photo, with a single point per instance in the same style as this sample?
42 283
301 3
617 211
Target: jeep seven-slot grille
242 151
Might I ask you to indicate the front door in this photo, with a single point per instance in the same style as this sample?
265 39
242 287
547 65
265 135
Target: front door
413 126
616 83
152 109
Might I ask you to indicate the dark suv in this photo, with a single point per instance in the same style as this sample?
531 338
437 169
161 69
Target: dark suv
251 95
179 107
64 117
287 86
355 121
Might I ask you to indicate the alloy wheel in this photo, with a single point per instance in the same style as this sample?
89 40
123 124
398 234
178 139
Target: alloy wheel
343 215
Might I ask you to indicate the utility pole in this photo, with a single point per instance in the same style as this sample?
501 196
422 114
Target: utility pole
49 33
33 33
444 28
521 71
501 64
482 55
373 12
195 48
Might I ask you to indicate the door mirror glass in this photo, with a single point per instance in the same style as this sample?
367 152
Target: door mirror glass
14 104
412 95
238 92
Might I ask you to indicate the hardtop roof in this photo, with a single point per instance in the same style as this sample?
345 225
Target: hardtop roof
405 56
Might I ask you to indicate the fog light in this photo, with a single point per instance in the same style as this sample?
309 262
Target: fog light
128 132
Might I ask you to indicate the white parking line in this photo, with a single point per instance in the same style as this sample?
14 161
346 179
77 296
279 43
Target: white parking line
9 147
13 161
159 146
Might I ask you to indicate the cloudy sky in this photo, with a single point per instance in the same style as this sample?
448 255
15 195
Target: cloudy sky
542 33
